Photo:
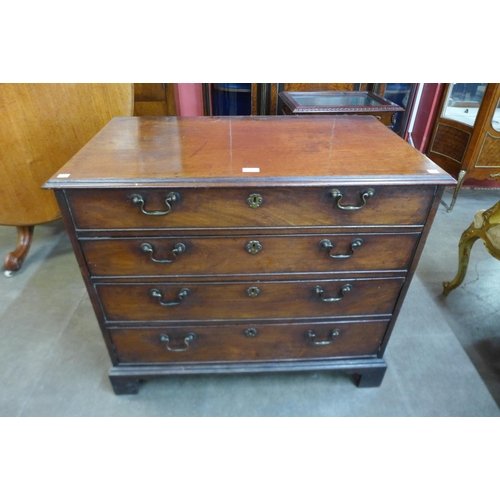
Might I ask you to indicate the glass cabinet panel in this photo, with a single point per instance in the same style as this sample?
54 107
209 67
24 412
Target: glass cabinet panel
337 99
495 120
230 99
463 102
399 93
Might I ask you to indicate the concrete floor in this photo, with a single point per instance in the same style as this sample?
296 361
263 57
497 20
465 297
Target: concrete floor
443 357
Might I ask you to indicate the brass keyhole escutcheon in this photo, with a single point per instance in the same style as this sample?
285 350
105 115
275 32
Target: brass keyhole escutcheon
250 332
253 291
254 247
255 200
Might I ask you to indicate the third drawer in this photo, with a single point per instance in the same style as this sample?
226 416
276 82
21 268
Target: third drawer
248 300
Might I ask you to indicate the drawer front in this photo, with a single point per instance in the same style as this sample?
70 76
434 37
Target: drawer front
248 343
232 207
223 301
248 255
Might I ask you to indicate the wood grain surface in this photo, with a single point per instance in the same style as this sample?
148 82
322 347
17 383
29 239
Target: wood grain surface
230 255
218 151
228 207
41 127
232 343
227 300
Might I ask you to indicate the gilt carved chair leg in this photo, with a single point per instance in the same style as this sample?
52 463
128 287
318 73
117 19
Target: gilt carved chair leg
469 237
14 260
460 181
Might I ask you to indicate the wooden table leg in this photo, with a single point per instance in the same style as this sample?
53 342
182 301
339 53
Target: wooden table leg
14 260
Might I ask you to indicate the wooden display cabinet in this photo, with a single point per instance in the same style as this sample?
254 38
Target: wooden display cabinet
466 137
339 103
266 101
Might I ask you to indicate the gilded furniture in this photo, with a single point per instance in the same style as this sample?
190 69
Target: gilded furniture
486 226
41 127
339 103
466 137
247 244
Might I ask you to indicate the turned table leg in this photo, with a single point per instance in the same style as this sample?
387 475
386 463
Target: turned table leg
14 260
468 239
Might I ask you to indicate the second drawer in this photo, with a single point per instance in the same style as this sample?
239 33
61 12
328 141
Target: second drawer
183 256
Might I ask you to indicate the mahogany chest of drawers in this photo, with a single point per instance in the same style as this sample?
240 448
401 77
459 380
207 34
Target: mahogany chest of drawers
247 244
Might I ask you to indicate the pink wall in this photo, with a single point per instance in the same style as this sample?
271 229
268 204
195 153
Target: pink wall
188 99
423 116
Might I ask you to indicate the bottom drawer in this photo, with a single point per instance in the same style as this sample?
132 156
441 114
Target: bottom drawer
248 343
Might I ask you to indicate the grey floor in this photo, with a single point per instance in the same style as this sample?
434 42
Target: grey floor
443 358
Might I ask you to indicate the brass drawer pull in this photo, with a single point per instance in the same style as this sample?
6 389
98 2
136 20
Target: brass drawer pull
137 199
319 292
148 248
188 338
337 195
311 334
158 295
329 246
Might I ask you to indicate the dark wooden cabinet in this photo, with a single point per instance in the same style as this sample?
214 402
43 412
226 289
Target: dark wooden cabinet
339 103
266 101
247 244
154 99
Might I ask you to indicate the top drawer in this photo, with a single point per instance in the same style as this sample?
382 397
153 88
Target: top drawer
158 208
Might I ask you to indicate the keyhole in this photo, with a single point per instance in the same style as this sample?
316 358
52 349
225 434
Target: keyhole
254 247
254 200
253 291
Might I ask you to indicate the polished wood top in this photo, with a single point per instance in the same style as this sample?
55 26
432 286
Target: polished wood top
218 151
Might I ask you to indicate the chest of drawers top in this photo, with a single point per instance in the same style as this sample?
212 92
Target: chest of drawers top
138 152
